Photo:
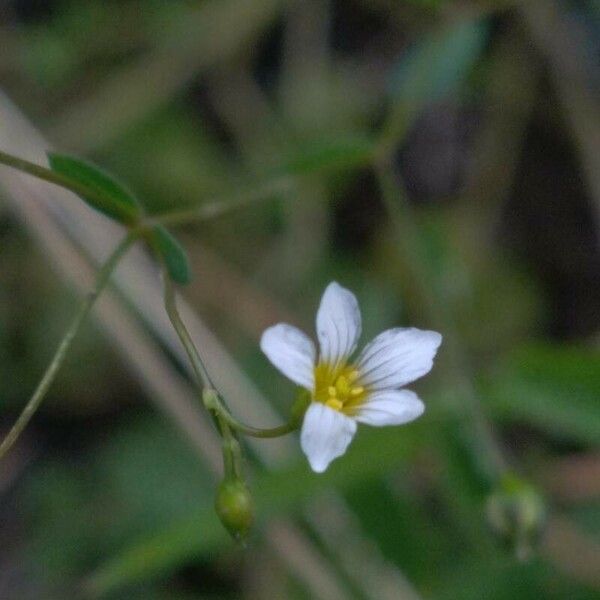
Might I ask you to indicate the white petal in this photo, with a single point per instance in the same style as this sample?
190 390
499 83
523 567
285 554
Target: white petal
325 435
338 324
397 357
292 352
390 407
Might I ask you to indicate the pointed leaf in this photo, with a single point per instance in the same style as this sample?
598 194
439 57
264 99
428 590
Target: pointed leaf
338 154
554 387
437 65
100 190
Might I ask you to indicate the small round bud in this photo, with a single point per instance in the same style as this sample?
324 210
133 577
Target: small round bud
234 507
517 514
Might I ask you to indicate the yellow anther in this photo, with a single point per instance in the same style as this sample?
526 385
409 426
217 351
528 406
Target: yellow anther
337 387
353 376
334 403
342 385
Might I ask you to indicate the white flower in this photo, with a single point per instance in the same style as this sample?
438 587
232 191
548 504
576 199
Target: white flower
344 392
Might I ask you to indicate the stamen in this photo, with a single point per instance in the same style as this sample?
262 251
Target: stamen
342 385
337 388
353 376
334 403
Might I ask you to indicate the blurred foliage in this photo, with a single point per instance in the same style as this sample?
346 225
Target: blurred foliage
190 102
553 387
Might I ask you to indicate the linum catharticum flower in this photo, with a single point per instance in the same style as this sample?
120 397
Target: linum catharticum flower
344 391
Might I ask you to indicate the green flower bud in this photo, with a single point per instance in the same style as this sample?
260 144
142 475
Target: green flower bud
234 507
516 513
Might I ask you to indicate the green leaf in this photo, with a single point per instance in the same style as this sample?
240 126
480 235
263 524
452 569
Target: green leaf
500 578
436 66
321 155
373 453
100 190
554 387
173 254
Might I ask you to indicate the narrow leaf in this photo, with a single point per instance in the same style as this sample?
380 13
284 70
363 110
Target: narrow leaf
344 153
556 388
100 190
438 64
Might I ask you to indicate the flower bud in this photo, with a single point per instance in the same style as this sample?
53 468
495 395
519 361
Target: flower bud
516 513
234 507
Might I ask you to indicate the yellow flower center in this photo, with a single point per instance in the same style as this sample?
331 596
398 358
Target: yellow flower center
337 388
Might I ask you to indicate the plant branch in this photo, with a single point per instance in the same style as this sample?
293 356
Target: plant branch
208 210
394 198
200 371
210 397
51 176
220 206
214 403
102 279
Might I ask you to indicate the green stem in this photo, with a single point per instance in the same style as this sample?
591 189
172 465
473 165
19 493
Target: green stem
200 371
207 210
232 452
102 279
220 206
214 403
62 181
273 432
424 288
394 130
210 396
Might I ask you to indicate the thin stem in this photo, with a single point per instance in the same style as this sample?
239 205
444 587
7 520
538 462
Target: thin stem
424 288
273 432
214 403
200 371
207 210
220 206
232 452
102 279
210 397
394 129
51 176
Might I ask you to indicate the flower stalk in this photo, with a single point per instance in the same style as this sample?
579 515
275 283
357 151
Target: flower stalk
200 371
216 406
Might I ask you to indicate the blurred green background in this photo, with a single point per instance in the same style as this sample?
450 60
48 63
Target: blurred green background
488 112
